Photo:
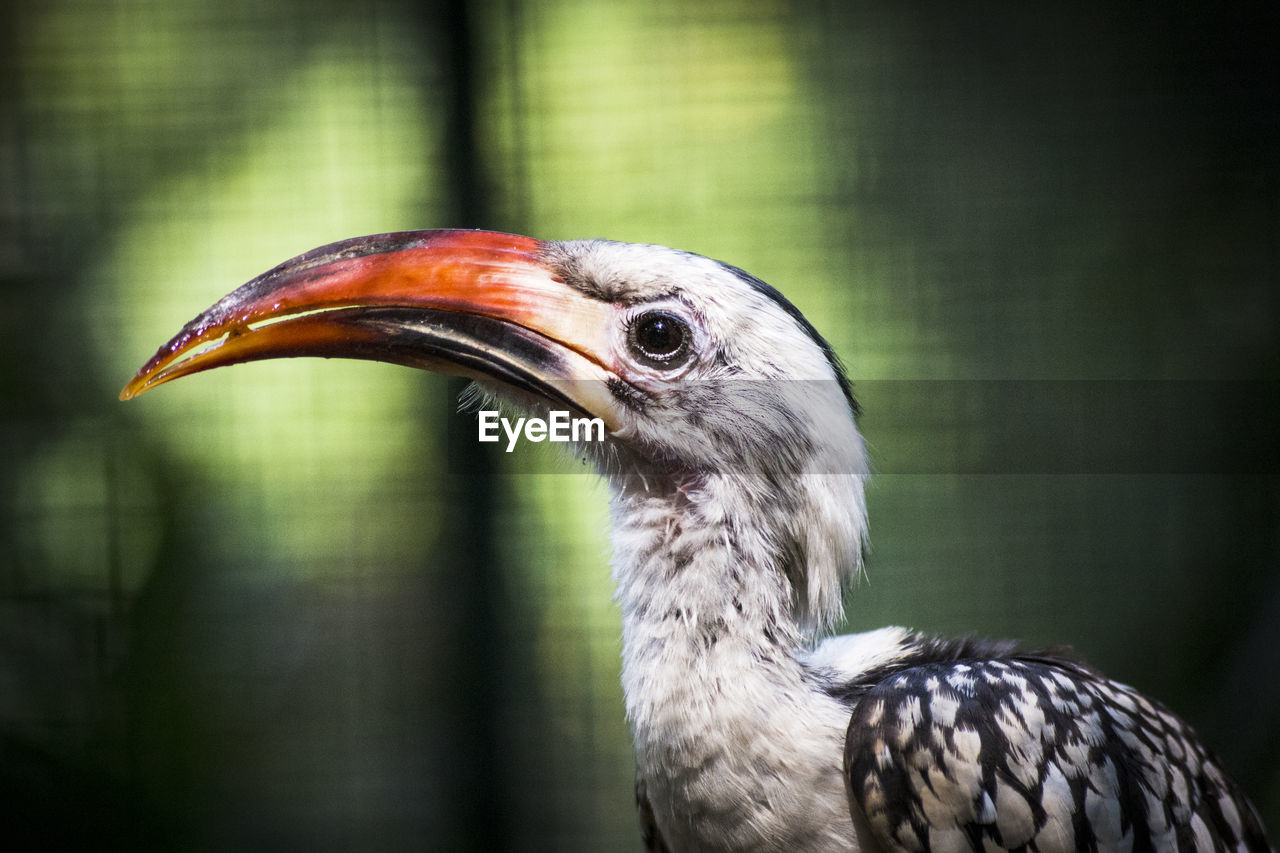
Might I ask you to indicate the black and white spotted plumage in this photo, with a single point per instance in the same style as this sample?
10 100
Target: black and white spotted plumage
957 747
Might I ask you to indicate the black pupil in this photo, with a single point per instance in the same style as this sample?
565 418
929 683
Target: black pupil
660 335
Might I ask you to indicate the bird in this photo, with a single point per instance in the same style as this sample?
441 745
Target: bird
738 520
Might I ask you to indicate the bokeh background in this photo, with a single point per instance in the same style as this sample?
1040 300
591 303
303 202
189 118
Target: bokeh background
290 606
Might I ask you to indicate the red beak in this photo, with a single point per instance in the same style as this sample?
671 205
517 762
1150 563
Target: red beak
473 303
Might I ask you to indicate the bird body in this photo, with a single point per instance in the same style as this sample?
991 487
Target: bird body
738 519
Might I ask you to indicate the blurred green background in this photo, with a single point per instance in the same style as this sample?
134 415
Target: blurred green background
288 605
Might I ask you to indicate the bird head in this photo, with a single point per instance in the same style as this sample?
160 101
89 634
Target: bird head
705 377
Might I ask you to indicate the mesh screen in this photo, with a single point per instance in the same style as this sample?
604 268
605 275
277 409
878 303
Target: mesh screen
283 604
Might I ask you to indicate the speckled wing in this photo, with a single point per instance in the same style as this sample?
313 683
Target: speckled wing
1034 755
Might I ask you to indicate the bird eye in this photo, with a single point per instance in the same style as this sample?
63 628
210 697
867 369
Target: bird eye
659 339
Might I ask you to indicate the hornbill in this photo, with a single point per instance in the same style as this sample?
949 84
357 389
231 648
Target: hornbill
736 471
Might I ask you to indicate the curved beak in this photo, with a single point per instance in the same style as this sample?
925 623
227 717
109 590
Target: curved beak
478 304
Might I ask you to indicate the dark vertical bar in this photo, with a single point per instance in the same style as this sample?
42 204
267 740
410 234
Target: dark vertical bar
470 196
481 809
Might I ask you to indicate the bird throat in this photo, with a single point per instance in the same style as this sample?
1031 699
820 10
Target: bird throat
716 698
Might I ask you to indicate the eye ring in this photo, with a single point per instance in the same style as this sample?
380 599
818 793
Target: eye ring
660 339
